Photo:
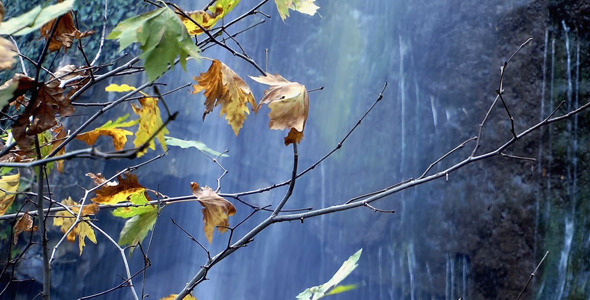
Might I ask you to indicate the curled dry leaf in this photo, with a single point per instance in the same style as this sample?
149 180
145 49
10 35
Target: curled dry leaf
65 220
216 210
8 187
289 105
24 223
303 6
65 33
224 87
126 189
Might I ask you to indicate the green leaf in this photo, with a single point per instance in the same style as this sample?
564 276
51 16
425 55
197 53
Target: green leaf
137 228
132 211
162 36
35 18
172 141
119 123
320 291
341 289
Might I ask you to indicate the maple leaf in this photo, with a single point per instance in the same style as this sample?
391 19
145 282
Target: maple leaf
65 220
289 105
207 19
64 34
172 141
7 54
143 219
150 121
50 140
112 129
8 186
60 136
216 210
126 189
303 6
162 36
173 296
224 87
24 223
35 18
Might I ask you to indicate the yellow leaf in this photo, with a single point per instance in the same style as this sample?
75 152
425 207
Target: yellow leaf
65 220
115 192
8 186
224 87
216 210
119 88
289 105
111 129
150 121
24 223
207 19
173 296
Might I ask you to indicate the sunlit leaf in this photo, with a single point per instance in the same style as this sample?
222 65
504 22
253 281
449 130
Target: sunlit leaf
208 19
65 220
137 228
8 187
163 38
150 121
224 87
216 210
172 141
320 291
112 129
35 18
126 189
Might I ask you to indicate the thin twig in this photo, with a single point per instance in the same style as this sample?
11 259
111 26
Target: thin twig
532 275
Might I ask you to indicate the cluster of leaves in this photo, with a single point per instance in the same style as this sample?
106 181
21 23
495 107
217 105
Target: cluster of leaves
37 109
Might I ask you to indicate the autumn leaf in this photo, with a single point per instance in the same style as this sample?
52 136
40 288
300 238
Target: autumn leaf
303 6
35 18
289 105
60 136
112 129
49 140
113 87
64 34
143 219
150 121
69 77
7 54
224 87
24 223
126 189
207 19
8 187
65 220
173 296
216 210
163 38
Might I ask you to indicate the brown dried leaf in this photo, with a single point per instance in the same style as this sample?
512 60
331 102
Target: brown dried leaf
289 105
24 223
216 210
65 33
224 87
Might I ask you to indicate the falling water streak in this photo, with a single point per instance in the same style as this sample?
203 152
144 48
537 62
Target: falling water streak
402 93
448 278
563 260
323 219
380 271
431 285
411 260
433 109
392 295
465 273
